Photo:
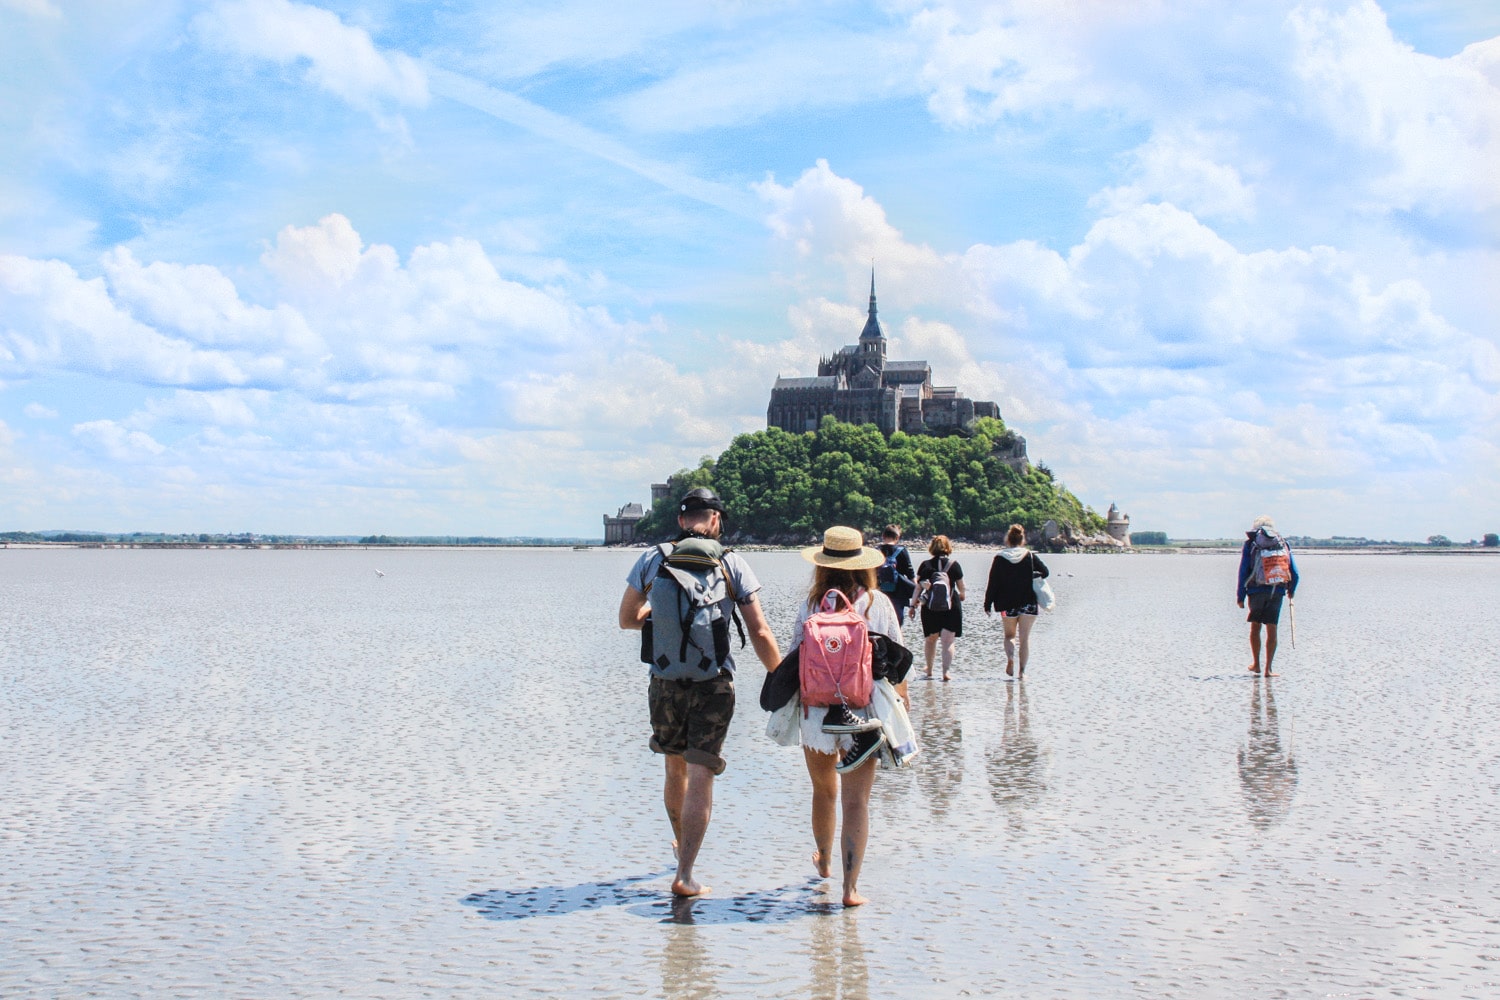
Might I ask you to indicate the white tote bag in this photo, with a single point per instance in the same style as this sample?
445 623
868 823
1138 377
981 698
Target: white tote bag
1045 598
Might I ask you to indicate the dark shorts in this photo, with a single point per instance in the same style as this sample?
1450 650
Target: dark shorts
1025 609
934 622
690 719
1264 608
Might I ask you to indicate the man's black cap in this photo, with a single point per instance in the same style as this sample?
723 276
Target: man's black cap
701 498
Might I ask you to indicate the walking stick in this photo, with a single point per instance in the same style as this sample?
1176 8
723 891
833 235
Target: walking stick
1291 608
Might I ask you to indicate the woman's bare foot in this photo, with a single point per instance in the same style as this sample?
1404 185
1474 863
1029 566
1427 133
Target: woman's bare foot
927 673
1270 673
1010 668
853 898
822 864
945 677
689 888
1255 668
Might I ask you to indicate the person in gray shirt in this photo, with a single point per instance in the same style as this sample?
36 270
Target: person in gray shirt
690 715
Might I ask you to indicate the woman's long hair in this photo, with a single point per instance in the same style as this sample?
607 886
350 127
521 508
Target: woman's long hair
850 581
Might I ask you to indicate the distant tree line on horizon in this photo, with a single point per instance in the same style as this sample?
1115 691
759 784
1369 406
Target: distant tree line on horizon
785 488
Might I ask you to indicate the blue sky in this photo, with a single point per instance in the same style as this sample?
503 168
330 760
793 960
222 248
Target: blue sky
420 268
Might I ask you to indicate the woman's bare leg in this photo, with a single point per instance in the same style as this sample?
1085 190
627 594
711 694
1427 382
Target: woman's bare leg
929 646
947 638
825 797
855 795
1026 621
1010 645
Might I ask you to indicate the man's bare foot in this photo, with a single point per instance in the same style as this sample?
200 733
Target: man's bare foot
853 898
822 864
689 888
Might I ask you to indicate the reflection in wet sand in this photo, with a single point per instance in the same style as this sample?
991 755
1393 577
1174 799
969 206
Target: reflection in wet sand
940 735
839 971
1017 767
686 971
1268 775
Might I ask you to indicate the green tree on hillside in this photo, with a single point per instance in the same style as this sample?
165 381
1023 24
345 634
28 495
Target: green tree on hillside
783 487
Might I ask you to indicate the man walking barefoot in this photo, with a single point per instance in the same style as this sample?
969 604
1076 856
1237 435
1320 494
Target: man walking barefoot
1267 572
692 676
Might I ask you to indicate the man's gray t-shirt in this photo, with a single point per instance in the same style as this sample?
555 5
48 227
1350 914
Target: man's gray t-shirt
742 583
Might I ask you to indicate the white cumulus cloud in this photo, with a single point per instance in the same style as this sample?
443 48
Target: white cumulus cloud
339 57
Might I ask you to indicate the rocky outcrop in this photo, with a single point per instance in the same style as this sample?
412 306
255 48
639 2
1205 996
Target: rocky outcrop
1064 537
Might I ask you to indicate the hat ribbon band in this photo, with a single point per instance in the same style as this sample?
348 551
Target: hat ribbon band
842 553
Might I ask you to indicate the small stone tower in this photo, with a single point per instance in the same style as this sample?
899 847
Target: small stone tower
1117 525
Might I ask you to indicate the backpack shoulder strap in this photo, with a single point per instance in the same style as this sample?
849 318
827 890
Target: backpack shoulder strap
665 548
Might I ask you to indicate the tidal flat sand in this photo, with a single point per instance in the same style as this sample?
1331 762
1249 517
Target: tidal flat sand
261 774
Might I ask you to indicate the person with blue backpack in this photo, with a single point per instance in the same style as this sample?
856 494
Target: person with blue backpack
682 597
1267 573
895 575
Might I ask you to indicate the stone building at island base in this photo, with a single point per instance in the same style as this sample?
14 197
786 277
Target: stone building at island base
620 529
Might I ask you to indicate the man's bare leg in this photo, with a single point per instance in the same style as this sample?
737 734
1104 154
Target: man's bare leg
1255 647
855 793
696 809
672 794
1270 649
825 802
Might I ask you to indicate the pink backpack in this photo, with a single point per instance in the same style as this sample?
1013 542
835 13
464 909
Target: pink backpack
835 655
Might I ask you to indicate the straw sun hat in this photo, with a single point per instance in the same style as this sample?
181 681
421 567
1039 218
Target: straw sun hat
843 548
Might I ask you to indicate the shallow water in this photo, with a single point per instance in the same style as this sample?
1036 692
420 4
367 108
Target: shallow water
278 774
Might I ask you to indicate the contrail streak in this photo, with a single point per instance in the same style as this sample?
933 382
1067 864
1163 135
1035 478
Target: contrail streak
550 125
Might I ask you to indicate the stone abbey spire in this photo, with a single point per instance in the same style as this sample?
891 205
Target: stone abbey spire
872 329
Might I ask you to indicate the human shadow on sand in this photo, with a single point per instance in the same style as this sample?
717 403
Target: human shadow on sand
761 906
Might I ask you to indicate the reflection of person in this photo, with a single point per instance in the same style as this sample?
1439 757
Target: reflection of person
940 624
1264 597
1268 775
1010 593
690 717
841 766
902 581
838 961
1017 767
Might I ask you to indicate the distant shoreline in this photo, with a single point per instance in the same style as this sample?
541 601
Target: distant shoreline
1192 548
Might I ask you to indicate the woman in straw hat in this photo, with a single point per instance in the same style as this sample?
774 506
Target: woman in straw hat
841 764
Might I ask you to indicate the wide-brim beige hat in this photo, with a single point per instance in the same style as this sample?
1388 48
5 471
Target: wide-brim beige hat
843 548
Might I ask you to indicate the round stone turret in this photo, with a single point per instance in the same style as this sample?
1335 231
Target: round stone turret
1117 525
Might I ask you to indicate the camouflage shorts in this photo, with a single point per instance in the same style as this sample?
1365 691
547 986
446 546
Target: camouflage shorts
690 719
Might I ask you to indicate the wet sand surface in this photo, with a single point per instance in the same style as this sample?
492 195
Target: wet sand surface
261 774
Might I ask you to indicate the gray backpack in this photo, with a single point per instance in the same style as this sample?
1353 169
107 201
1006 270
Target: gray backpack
689 635
940 589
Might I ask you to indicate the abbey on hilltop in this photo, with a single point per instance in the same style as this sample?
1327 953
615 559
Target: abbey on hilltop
859 386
